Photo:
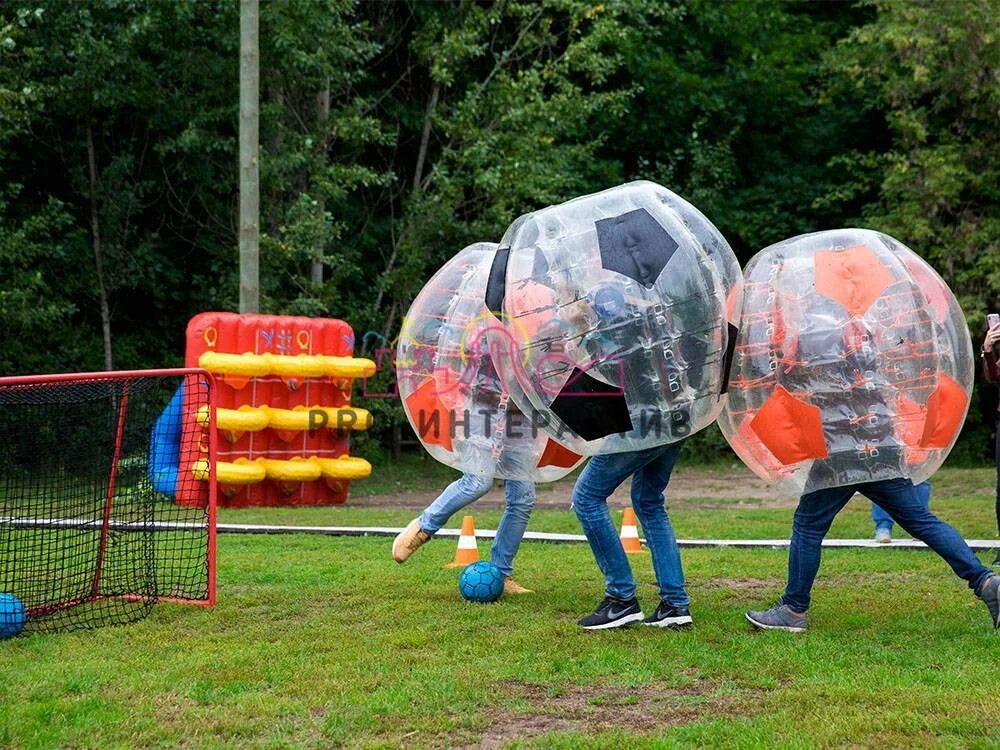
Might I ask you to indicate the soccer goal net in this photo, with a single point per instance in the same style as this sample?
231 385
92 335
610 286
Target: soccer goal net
106 499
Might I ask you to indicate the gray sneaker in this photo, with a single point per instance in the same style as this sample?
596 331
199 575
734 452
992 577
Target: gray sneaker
990 593
778 617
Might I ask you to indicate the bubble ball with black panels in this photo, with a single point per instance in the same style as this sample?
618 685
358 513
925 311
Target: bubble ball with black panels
620 309
451 392
853 363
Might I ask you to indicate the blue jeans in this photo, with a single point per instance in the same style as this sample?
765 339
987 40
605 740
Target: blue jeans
650 470
519 501
898 496
884 521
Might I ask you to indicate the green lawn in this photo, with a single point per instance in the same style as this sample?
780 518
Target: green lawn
321 642
962 497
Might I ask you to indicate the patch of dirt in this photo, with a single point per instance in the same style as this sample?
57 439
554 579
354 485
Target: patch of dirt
696 488
743 584
171 709
867 578
596 708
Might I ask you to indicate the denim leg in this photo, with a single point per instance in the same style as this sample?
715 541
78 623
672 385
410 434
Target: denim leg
519 500
600 477
924 493
812 521
884 521
902 500
881 519
648 484
466 489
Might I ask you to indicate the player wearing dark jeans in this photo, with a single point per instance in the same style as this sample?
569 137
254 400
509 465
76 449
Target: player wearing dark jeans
991 371
899 497
650 471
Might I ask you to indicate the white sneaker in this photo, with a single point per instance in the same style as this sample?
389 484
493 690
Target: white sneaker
882 536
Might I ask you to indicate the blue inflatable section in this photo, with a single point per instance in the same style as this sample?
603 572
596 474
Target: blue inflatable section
165 446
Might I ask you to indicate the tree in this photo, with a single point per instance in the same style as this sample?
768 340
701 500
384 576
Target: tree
318 123
508 98
91 101
729 115
394 134
931 71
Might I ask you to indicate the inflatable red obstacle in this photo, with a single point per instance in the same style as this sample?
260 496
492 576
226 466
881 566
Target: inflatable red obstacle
284 411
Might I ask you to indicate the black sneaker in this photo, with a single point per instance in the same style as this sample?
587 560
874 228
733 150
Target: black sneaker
996 563
990 594
613 613
669 616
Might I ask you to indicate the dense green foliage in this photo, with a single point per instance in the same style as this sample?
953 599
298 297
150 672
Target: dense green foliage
393 134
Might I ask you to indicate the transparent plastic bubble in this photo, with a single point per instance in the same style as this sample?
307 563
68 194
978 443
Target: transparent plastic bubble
619 310
450 390
853 363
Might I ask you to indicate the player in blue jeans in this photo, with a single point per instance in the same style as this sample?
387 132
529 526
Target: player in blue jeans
650 471
519 500
883 521
900 498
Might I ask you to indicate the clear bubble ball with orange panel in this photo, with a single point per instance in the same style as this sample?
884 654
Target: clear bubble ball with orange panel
853 363
451 391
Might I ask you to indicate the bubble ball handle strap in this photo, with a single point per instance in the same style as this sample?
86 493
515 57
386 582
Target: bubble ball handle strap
500 425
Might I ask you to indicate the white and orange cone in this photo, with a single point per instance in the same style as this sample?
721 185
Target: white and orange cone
467 551
630 534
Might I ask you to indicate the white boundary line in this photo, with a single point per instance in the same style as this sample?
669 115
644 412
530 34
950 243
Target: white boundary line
541 536
534 536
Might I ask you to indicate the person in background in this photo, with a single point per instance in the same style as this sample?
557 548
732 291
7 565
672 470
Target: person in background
883 521
991 371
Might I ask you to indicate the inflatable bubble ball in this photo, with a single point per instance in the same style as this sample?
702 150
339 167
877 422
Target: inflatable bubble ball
853 363
620 310
451 392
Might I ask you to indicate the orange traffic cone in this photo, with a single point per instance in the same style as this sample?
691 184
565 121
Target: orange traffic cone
630 534
468 551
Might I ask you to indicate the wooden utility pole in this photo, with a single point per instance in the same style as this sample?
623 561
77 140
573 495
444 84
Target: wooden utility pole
95 230
322 117
249 156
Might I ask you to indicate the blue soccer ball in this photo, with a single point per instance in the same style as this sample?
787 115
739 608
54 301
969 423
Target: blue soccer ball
12 616
481 582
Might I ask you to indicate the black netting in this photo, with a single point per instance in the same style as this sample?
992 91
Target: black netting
103 510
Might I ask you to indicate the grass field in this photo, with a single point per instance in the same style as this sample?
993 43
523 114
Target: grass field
325 642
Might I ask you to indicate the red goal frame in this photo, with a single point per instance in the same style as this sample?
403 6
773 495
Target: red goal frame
212 435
